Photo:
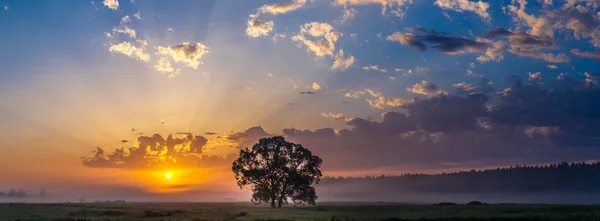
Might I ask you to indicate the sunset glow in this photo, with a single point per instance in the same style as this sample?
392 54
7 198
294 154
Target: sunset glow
154 101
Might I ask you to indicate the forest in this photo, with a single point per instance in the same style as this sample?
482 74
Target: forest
556 178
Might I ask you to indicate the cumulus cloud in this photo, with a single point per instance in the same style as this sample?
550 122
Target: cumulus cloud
464 87
349 13
177 150
340 62
551 66
325 45
493 53
535 78
586 54
257 27
281 8
480 8
539 26
190 53
376 99
338 116
374 68
112 4
131 50
164 65
315 86
438 41
385 4
426 88
123 29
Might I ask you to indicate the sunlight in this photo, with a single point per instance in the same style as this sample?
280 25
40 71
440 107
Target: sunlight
168 175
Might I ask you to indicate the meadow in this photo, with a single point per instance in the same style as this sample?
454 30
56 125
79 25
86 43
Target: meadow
323 211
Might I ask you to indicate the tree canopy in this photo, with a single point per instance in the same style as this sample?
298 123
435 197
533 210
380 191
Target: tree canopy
277 171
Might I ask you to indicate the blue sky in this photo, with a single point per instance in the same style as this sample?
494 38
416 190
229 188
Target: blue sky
374 86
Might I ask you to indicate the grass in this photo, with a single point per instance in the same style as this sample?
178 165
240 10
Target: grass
324 211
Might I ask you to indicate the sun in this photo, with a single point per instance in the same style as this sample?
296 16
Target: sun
168 175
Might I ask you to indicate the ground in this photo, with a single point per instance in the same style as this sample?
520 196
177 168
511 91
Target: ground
324 211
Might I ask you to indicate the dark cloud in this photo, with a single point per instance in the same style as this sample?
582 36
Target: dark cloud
124 141
520 40
524 44
420 39
525 123
307 92
587 54
210 133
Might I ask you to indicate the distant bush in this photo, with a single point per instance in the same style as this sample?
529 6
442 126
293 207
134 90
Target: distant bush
475 203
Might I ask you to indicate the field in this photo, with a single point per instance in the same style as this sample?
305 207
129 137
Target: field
325 211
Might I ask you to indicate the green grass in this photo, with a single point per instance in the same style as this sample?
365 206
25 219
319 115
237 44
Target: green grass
324 211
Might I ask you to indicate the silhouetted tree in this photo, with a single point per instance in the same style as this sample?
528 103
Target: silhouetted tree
276 170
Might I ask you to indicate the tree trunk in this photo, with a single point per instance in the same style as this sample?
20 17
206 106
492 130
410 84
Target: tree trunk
272 203
280 202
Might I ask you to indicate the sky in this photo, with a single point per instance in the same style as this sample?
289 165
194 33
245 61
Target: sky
103 98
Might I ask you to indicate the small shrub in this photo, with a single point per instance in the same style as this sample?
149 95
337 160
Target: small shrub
475 203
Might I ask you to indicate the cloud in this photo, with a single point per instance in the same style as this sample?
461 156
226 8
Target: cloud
125 19
281 8
407 39
307 92
112 4
426 88
464 87
525 123
137 15
480 8
315 86
582 21
586 54
322 31
131 50
384 3
257 27
551 66
123 29
164 65
438 41
349 13
338 116
377 99
524 44
539 26
341 63
374 68
493 53
535 78
177 150
190 53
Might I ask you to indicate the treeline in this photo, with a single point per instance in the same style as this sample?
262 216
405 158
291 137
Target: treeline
21 193
561 177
